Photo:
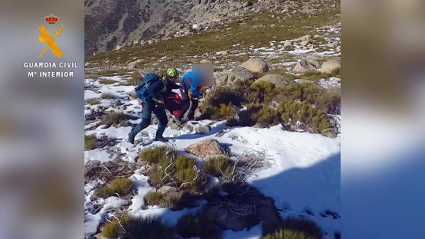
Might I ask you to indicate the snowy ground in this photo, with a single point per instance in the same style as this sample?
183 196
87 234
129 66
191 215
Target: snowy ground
302 176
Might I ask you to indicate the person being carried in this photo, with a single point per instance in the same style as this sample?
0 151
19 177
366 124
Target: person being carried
151 91
191 92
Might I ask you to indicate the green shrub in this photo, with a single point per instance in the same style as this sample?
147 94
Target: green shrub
295 228
197 225
115 118
157 155
262 92
172 200
186 173
154 198
107 81
134 227
328 101
225 112
288 234
120 186
220 103
89 142
93 101
107 96
314 119
111 229
156 174
245 117
218 166
267 116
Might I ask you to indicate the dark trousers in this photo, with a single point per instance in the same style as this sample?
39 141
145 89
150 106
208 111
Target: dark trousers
148 108
193 104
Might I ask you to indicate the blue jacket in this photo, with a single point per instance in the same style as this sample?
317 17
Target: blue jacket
192 80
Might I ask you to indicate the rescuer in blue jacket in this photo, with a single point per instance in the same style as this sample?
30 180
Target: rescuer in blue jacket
191 83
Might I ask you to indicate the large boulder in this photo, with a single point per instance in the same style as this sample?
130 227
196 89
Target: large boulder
205 61
133 64
256 65
276 79
313 60
228 78
304 43
330 66
205 148
303 66
287 45
304 38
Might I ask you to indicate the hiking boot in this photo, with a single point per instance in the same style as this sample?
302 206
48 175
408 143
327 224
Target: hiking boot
131 139
161 139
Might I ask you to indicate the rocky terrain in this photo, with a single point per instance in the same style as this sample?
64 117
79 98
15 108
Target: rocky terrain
263 161
112 24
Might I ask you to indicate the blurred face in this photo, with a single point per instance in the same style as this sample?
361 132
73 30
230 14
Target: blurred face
172 78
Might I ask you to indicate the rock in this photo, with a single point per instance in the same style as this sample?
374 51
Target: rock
205 148
271 55
277 80
165 189
203 129
205 61
133 64
317 36
330 66
133 95
313 60
305 43
304 38
303 66
287 45
256 65
304 81
228 78
224 53
332 44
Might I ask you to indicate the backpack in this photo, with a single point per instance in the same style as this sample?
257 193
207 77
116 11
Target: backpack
142 88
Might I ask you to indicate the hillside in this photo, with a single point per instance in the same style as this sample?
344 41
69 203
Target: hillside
263 158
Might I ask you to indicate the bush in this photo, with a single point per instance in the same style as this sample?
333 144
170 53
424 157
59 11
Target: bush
89 142
115 119
218 166
154 198
263 92
111 229
107 96
315 120
221 103
225 112
135 227
156 174
288 234
93 101
107 81
245 117
197 225
157 155
185 169
172 200
267 116
120 186
329 101
296 228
